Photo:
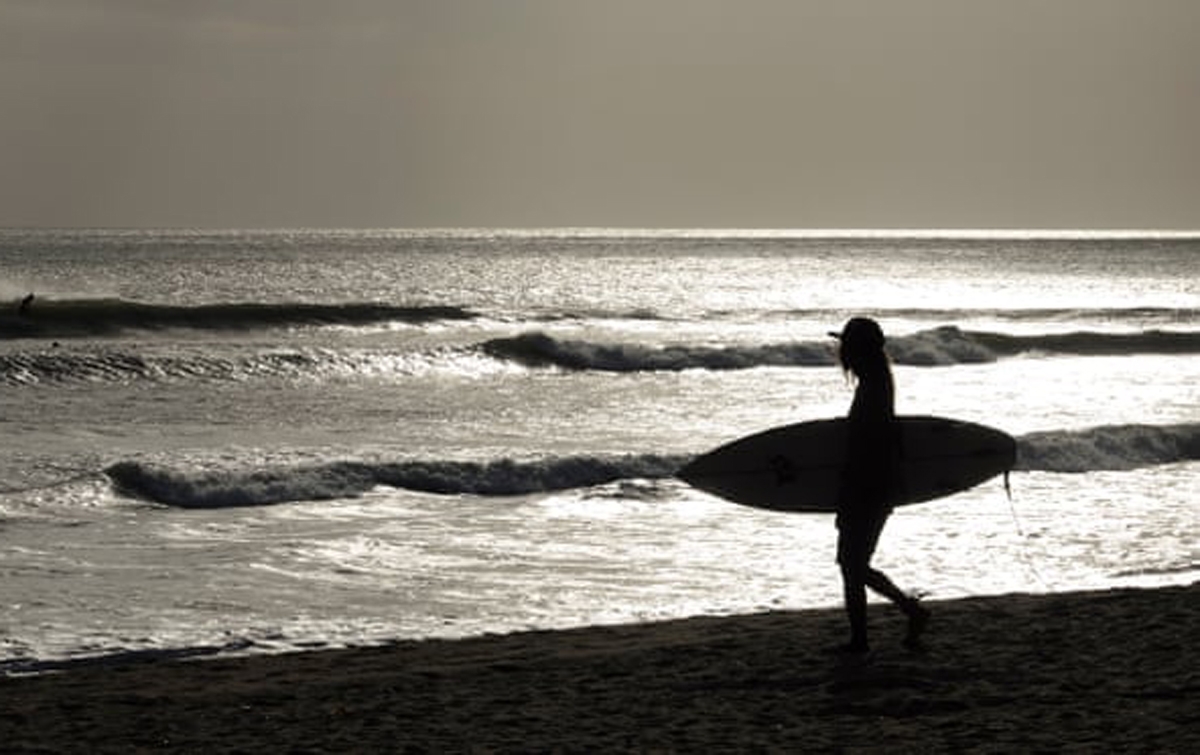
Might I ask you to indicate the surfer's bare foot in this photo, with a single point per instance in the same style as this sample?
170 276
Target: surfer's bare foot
918 619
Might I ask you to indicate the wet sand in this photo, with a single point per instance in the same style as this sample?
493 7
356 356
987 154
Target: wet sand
1100 671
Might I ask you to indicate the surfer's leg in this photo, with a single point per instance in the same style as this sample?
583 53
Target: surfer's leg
880 583
918 619
853 562
861 541
855 593
918 615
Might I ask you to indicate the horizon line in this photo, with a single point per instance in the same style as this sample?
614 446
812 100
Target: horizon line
664 232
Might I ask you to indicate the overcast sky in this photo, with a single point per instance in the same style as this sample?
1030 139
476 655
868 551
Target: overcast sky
629 113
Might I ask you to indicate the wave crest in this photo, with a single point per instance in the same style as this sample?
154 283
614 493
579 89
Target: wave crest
943 346
541 350
1108 448
83 318
347 479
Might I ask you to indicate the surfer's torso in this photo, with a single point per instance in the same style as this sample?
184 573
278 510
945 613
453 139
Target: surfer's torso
870 449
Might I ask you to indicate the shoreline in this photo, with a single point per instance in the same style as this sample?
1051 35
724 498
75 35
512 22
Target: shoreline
1102 670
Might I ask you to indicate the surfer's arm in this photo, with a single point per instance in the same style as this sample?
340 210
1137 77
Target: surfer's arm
870 449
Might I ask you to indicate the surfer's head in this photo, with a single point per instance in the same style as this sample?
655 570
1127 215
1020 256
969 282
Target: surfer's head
861 346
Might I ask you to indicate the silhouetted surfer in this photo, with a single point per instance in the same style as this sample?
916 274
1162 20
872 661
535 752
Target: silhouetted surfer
26 303
863 501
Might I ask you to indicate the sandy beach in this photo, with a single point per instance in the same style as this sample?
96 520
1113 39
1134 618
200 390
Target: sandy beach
1112 670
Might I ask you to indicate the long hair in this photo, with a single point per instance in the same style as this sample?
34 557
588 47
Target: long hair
861 351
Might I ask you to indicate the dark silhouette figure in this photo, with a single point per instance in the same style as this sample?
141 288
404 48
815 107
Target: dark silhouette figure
873 448
26 303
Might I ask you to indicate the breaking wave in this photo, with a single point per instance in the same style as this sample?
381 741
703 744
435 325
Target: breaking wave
1109 448
83 318
942 346
542 350
344 479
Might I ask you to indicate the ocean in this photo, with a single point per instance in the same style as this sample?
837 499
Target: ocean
245 442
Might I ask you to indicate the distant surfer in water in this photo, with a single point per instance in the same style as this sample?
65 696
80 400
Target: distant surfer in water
26 303
864 500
